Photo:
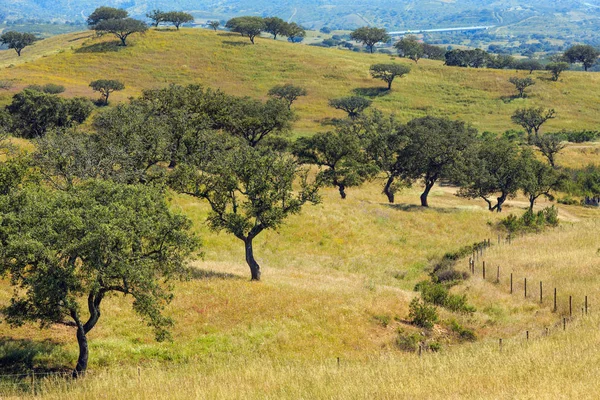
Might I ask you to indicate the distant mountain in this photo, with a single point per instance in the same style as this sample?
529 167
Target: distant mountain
570 15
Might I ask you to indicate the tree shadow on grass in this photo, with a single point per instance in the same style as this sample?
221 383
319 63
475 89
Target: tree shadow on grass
417 208
22 356
204 274
236 44
229 34
372 92
104 47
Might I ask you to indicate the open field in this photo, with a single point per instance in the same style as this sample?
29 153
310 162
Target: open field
338 278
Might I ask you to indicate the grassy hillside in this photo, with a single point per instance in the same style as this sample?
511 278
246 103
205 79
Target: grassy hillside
230 62
338 278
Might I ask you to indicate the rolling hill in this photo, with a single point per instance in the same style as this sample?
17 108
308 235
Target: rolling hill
326 320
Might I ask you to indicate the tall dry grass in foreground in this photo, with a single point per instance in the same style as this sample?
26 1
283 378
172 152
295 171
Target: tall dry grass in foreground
562 365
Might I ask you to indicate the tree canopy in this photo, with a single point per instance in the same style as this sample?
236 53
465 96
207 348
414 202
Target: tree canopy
247 26
410 47
121 28
17 40
178 18
435 148
288 93
106 87
66 250
33 113
582 53
249 190
389 72
106 13
532 119
370 36
352 105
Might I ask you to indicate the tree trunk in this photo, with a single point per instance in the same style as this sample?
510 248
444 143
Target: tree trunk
82 360
387 190
342 190
390 85
531 202
501 201
106 99
254 267
123 43
428 186
18 52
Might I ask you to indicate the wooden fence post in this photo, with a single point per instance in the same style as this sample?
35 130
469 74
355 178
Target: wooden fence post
511 283
500 344
525 287
541 293
570 306
564 324
484 270
527 335
555 309
586 305
498 275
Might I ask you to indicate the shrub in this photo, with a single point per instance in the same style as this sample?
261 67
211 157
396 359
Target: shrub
408 343
463 333
383 319
422 314
438 294
531 221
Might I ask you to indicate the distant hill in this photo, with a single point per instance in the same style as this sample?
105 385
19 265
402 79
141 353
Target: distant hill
537 15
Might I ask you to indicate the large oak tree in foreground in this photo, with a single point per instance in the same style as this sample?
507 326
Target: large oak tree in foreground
249 190
66 251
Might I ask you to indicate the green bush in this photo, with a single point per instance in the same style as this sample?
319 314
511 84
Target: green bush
463 333
408 343
422 314
531 221
439 295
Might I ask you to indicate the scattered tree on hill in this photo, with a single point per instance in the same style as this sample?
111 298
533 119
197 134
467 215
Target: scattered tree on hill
585 54
121 28
96 239
275 26
288 93
17 40
370 36
550 146
33 113
433 52
532 119
339 157
106 13
253 120
557 68
247 26
214 25
494 167
410 47
294 32
178 18
106 87
529 65
389 72
435 147
353 105
476 58
157 16
539 179
249 190
383 145
500 61
521 84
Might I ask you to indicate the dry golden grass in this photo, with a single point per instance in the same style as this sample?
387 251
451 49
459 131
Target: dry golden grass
332 272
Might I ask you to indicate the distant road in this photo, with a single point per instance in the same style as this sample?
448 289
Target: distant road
466 28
